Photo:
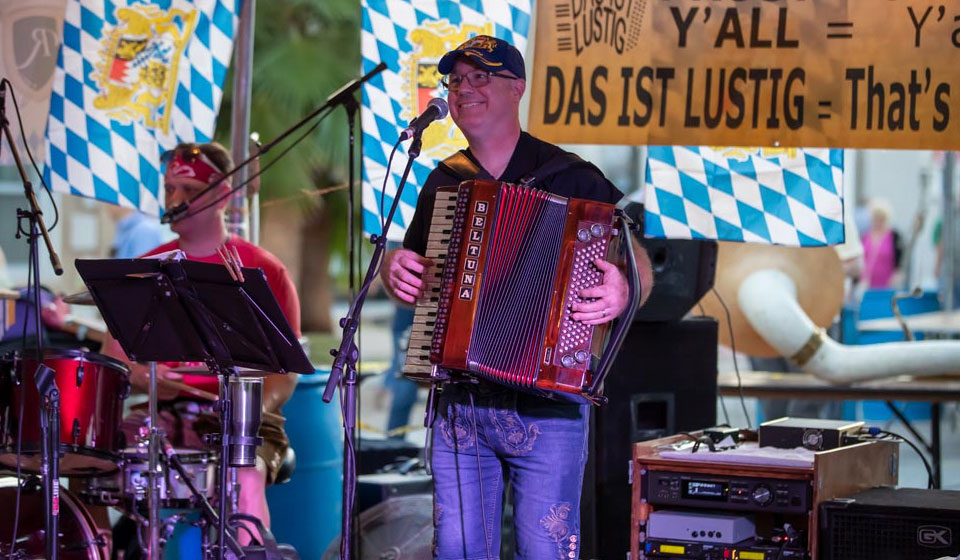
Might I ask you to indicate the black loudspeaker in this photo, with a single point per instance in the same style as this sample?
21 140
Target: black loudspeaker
892 524
663 381
683 271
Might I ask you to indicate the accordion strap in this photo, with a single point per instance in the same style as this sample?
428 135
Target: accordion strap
462 166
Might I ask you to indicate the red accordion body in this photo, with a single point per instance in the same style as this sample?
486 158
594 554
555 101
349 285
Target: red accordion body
508 262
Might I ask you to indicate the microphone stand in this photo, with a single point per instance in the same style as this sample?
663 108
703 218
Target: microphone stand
342 96
50 413
345 362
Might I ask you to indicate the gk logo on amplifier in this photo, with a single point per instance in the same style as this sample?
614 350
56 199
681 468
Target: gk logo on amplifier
934 536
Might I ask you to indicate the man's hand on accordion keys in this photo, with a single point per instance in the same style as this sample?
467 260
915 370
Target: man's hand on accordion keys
402 273
605 302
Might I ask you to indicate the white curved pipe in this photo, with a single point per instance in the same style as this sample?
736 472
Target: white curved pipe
768 299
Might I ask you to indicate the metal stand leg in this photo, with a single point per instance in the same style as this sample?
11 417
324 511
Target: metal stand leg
224 410
153 465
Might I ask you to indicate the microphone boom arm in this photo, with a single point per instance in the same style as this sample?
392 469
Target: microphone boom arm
333 100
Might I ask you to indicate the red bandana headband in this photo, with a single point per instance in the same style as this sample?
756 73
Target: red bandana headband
195 165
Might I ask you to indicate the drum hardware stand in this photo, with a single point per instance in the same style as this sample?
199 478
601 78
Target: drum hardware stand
181 310
345 362
209 513
51 413
153 452
50 444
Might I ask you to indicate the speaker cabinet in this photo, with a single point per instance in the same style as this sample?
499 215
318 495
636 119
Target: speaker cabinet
892 524
683 271
663 381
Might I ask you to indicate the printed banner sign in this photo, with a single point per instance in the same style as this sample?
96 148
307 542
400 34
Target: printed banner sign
29 43
805 73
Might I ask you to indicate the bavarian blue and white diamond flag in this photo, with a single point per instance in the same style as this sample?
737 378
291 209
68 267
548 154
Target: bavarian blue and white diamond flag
779 196
134 78
411 36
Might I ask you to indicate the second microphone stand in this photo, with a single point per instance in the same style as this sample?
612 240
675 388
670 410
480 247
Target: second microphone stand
345 362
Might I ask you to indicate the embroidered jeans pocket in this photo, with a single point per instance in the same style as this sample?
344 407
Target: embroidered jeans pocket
457 428
516 436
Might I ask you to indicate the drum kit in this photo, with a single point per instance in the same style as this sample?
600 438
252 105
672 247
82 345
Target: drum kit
61 414
104 468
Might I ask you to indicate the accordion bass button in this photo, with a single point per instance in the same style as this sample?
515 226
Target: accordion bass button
567 361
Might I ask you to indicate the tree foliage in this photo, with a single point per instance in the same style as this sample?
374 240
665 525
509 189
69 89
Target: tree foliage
303 51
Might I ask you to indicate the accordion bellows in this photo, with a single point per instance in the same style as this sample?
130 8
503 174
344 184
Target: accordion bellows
508 261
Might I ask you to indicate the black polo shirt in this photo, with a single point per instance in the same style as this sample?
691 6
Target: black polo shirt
578 181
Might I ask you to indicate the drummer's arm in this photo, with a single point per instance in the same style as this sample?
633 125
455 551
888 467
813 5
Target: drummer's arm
139 374
112 349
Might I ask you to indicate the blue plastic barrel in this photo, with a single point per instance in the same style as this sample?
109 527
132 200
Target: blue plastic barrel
306 511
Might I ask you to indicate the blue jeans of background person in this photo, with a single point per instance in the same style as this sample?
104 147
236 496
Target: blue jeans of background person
404 390
537 445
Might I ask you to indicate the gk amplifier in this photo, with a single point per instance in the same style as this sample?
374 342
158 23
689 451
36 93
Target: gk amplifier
891 523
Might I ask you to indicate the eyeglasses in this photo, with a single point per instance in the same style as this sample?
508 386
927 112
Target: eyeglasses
476 78
191 155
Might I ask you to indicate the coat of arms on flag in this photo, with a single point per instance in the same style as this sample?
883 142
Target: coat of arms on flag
411 36
138 64
134 78
780 196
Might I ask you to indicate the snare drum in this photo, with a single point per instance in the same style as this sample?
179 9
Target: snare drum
131 485
92 388
79 537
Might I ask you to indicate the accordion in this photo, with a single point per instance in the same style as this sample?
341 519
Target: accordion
508 261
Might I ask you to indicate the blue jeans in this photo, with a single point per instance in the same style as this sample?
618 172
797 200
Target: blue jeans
485 435
404 390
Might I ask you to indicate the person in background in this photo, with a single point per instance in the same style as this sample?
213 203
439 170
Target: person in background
403 391
136 233
882 248
190 169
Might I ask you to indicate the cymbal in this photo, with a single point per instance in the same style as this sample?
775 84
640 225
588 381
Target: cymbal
9 294
203 370
79 298
816 272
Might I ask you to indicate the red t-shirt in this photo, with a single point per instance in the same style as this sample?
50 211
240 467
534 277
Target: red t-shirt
277 278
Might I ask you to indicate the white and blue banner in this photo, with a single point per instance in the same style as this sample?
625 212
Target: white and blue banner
410 36
779 196
134 78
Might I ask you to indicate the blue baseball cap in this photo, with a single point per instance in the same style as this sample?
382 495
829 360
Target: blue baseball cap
489 53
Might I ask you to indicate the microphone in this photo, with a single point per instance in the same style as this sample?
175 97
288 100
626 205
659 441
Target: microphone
436 109
175 213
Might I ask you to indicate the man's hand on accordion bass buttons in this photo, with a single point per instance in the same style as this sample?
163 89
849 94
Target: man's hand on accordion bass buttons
402 273
604 302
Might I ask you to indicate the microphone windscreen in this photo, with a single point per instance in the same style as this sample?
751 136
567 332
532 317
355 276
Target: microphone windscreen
441 105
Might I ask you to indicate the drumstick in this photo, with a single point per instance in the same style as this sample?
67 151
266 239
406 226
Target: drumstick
237 261
208 396
226 263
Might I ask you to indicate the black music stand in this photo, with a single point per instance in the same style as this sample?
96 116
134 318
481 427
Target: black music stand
173 309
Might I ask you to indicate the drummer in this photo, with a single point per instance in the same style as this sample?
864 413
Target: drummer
190 168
